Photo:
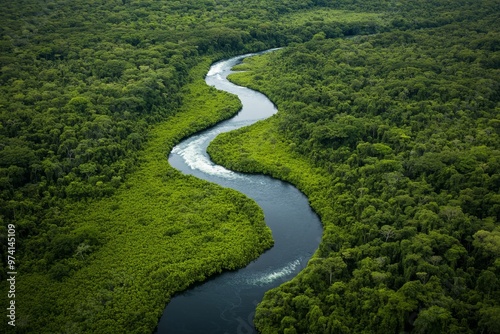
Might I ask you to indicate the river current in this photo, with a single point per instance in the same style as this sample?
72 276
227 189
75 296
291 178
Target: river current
226 303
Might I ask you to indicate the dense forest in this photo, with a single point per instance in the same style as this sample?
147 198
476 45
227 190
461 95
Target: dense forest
393 133
395 139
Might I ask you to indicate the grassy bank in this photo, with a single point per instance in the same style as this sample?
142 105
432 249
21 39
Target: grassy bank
160 232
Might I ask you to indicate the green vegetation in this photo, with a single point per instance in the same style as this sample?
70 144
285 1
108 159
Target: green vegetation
395 139
115 262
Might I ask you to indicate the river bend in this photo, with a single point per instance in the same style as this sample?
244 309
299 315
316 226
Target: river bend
226 303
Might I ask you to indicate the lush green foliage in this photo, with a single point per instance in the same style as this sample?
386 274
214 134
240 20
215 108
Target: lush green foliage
395 139
114 263
106 231
79 92
78 96
93 94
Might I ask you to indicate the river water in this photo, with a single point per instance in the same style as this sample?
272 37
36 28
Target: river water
226 303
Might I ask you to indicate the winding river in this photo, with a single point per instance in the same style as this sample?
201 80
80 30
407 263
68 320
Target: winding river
226 303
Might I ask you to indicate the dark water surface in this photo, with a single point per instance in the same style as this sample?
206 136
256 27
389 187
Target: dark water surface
226 303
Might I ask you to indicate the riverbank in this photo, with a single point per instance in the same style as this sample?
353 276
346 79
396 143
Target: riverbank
226 303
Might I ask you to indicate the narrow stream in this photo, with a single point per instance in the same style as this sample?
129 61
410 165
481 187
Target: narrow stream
226 303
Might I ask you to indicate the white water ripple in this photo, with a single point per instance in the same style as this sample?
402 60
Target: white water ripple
193 156
269 277
216 69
